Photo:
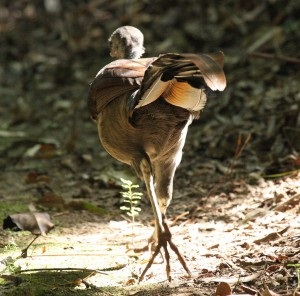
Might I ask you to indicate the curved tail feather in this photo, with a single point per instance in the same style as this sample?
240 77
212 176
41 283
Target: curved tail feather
181 79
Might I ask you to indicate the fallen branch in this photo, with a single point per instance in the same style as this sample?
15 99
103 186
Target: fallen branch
117 267
62 269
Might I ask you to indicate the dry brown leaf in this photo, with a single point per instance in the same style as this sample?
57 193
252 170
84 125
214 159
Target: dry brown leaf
36 223
51 200
47 150
77 282
249 290
273 268
234 280
289 204
35 177
268 292
223 289
130 282
271 236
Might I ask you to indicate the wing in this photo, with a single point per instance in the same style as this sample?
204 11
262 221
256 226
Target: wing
115 79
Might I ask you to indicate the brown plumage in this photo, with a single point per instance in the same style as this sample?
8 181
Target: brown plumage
143 107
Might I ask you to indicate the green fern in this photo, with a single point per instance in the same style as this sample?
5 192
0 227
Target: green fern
132 200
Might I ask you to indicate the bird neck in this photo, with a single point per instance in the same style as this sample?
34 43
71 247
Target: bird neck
133 53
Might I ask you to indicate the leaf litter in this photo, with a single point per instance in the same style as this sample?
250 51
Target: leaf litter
235 212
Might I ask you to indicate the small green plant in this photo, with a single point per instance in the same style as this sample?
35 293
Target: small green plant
11 246
10 265
132 200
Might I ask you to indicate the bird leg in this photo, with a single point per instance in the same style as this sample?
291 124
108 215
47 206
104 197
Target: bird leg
164 238
24 251
164 235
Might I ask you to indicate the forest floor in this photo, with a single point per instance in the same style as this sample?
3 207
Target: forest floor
244 235
235 211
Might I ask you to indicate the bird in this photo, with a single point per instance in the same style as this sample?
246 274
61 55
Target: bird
143 108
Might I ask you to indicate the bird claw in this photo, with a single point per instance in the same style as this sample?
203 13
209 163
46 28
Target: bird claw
163 242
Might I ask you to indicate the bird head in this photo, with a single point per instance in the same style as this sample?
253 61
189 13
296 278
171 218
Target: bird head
126 43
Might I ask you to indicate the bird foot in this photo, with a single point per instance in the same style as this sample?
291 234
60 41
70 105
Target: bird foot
164 239
151 247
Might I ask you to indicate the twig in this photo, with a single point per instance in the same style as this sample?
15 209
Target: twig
238 150
179 217
78 254
283 174
62 269
117 267
271 56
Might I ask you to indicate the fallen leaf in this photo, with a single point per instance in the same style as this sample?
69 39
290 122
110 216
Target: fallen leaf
273 268
271 236
237 279
223 289
43 150
289 204
82 205
249 290
130 282
268 292
51 200
35 177
76 282
36 223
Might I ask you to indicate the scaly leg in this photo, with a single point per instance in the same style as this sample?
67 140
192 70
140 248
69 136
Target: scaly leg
24 251
163 232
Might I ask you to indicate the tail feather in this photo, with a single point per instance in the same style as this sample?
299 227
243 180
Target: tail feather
181 94
182 79
158 87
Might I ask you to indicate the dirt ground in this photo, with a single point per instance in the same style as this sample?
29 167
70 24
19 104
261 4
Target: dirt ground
235 210
246 235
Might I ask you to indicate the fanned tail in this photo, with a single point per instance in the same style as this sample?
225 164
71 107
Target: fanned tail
181 79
